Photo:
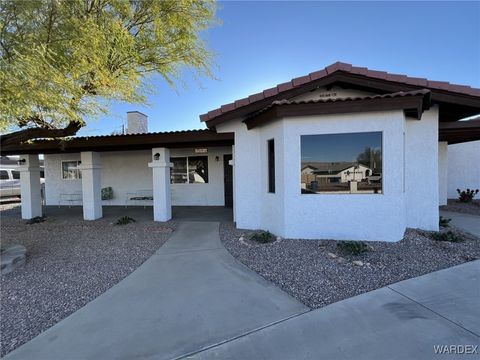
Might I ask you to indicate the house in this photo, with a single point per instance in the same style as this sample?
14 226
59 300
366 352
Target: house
337 177
392 131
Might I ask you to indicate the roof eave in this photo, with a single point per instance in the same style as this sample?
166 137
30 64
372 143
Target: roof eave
413 106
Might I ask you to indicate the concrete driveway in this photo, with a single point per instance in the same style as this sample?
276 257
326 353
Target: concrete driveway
191 294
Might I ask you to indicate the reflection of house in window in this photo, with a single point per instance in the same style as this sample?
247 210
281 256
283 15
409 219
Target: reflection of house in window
191 169
355 165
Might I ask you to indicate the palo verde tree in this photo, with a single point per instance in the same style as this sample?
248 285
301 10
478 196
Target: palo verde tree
63 60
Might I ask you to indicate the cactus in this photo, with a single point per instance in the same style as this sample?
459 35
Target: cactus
466 196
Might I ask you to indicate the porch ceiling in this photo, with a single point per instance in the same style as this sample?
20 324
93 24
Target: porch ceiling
175 139
460 131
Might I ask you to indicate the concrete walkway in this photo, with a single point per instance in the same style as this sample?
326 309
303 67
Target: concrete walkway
191 294
402 321
467 222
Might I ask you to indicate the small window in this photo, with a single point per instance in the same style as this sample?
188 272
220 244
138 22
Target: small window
16 174
271 166
191 170
70 170
4 175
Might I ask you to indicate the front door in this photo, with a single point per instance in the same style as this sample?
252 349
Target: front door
228 180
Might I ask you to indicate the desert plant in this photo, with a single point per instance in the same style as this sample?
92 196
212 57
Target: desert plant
466 196
443 222
449 236
35 220
353 247
263 237
124 220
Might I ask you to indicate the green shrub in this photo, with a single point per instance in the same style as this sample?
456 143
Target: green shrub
124 220
449 236
263 237
353 247
443 222
35 220
466 196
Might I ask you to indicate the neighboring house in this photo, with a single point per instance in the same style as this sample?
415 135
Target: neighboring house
463 167
333 176
392 131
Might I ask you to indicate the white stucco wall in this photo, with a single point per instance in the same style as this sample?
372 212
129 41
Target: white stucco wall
347 216
463 167
421 175
442 172
290 214
128 171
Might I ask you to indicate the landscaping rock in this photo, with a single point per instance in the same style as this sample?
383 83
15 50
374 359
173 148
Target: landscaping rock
12 257
357 263
340 260
305 270
332 255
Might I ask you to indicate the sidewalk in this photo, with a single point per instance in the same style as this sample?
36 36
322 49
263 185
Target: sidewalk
467 222
402 321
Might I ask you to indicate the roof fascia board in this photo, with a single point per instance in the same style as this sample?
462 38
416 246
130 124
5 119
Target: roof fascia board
412 105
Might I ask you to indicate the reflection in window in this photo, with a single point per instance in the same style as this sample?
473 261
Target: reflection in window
70 170
191 169
342 163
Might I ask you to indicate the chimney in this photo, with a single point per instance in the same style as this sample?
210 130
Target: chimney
137 123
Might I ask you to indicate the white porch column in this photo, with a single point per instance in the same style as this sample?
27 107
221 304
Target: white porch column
162 195
91 185
30 187
442 172
232 164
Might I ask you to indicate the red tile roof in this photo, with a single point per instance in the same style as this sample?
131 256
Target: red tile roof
348 68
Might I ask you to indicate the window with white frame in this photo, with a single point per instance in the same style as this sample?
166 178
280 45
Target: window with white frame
189 170
70 170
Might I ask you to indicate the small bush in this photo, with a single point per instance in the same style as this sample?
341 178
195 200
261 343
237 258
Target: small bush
124 220
353 247
443 222
263 237
449 236
466 196
35 220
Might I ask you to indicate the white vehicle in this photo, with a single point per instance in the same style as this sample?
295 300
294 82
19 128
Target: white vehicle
9 182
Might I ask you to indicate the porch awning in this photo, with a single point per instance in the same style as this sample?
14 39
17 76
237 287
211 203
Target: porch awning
174 139
459 131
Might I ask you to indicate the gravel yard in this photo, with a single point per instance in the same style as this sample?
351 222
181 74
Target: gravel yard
69 263
306 270
472 208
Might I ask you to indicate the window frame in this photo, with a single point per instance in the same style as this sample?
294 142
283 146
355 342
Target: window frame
78 171
187 160
382 148
271 166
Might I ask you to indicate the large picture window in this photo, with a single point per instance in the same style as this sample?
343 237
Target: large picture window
189 170
70 170
342 163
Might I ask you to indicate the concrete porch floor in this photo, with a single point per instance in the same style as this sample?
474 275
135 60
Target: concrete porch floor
139 213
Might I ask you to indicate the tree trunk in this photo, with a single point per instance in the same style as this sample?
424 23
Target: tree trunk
18 137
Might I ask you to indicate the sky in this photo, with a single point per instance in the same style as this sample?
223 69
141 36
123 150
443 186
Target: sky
258 45
338 147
